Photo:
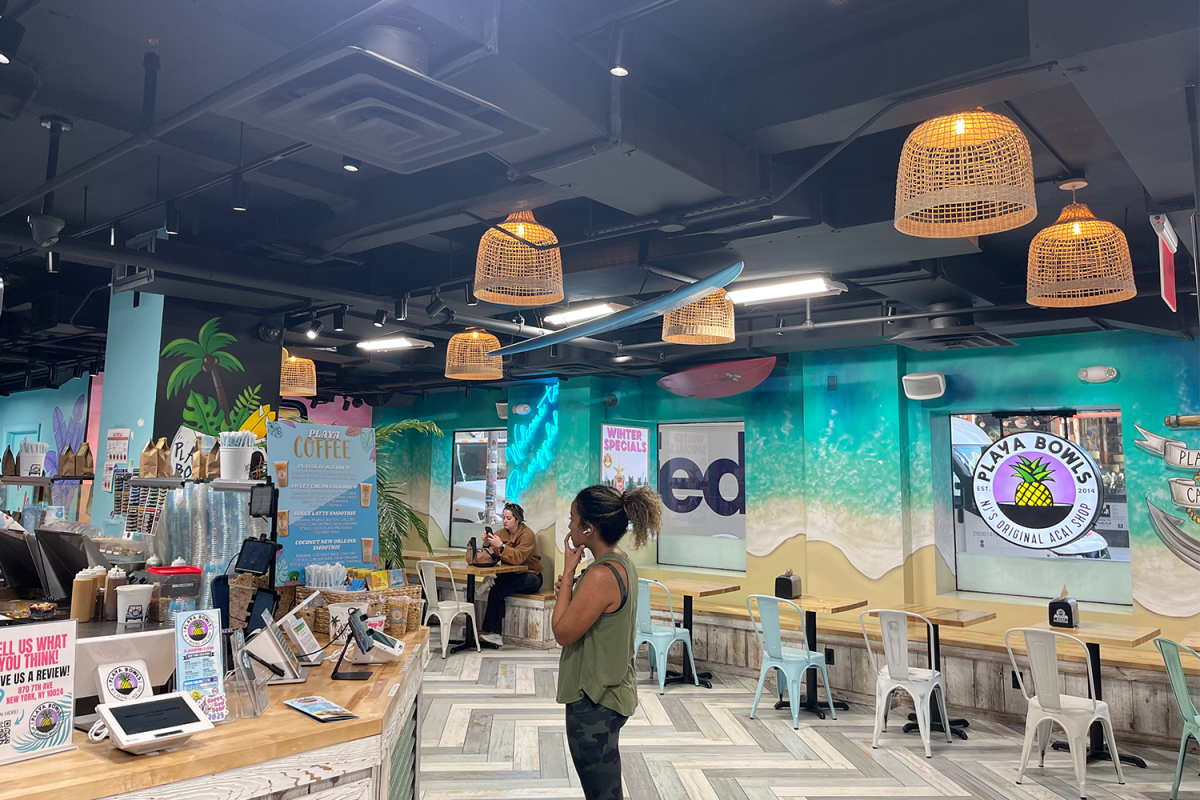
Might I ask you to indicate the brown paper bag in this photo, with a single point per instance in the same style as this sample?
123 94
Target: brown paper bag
148 462
199 459
85 466
66 462
212 465
8 467
163 452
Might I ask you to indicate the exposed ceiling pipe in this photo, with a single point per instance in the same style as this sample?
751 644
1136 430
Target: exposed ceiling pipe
212 102
842 323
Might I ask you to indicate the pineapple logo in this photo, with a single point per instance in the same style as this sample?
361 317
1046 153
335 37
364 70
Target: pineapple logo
197 630
1034 476
125 682
45 720
1037 490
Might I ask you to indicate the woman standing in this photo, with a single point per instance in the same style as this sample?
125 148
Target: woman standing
594 621
516 544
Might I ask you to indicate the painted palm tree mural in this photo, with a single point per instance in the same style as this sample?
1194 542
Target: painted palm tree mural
208 354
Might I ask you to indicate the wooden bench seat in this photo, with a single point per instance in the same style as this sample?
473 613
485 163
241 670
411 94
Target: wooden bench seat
543 595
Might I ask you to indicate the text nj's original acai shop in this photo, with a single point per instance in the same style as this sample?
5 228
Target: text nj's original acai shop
629 400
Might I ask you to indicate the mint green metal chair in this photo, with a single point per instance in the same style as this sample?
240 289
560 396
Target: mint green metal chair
790 664
1191 718
659 638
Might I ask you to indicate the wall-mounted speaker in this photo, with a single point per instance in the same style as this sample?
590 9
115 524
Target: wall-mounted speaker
924 385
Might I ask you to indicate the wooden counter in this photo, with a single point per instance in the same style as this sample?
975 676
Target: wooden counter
249 758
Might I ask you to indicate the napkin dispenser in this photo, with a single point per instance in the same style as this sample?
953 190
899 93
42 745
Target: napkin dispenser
787 586
1064 612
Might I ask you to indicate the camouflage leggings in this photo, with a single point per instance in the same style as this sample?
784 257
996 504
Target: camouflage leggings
592 733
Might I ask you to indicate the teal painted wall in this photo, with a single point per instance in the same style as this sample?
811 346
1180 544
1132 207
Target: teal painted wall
34 411
130 381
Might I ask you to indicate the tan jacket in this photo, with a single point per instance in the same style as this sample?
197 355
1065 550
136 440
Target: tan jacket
521 548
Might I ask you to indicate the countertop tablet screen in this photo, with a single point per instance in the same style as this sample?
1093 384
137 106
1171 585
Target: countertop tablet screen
156 715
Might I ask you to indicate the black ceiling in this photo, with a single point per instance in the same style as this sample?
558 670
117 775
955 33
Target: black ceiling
725 100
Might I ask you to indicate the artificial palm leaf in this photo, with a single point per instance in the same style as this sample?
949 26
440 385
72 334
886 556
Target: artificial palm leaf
396 517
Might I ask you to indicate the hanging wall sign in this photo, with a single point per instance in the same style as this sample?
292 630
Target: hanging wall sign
1037 490
327 504
624 456
37 689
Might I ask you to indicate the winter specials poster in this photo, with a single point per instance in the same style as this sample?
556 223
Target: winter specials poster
327 502
37 686
624 456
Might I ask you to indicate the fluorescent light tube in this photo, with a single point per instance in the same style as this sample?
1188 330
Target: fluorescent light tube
395 343
805 287
580 314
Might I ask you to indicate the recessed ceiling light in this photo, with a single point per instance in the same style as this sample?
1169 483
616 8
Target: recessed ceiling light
351 164
580 314
813 286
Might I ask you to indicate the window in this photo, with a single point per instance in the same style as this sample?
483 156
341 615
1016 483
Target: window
479 471
702 481
1095 566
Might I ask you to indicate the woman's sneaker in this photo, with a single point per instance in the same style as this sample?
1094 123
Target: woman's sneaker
494 639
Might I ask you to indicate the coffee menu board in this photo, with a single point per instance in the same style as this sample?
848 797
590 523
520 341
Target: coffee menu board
327 499
37 686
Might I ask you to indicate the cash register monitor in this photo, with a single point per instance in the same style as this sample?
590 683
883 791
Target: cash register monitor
18 567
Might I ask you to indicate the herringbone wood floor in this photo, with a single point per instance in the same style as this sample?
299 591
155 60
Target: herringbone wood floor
491 729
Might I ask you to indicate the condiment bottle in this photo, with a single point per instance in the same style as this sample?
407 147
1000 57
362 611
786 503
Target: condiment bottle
116 577
83 596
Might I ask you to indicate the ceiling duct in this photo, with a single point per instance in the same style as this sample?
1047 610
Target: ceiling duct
373 101
952 332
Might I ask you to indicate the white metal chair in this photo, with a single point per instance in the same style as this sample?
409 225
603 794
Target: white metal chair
445 610
896 674
1073 714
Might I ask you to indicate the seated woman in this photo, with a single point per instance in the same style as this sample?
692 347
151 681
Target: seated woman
516 543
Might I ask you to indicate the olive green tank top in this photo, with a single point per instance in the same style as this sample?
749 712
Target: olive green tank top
600 663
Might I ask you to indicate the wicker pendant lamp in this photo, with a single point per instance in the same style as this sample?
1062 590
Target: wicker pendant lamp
512 273
467 357
297 376
1079 261
709 320
965 174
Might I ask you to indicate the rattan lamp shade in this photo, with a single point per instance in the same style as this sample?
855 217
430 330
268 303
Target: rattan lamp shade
467 357
706 321
1079 261
297 376
512 273
965 175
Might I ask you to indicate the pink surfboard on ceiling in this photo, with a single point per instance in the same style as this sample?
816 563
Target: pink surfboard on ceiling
711 381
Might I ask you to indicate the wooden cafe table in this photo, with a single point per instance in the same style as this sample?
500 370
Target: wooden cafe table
955 618
1093 635
691 590
812 605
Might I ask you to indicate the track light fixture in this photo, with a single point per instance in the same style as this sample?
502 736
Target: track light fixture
52 262
345 404
11 33
351 164
402 308
357 402
339 319
78 372
617 66
314 329
437 305
171 218
469 290
240 193
380 318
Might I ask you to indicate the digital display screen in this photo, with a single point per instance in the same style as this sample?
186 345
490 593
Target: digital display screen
262 501
155 715
255 557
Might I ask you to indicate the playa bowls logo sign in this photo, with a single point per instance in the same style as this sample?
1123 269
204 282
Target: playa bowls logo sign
126 683
1037 490
198 630
45 720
